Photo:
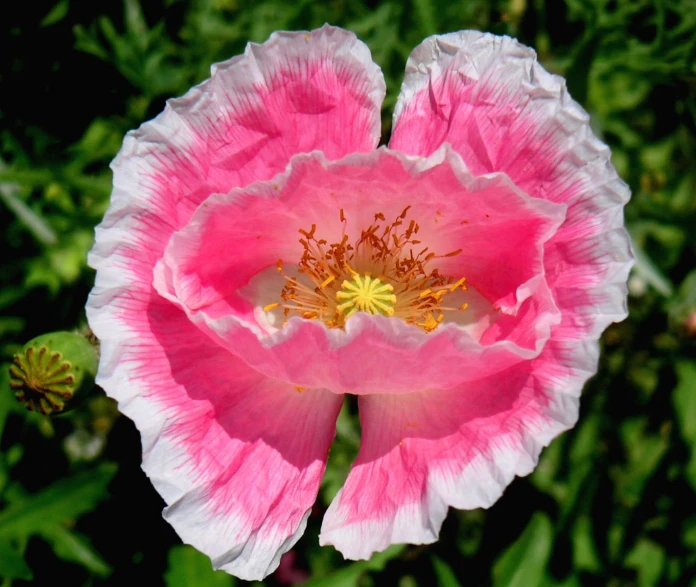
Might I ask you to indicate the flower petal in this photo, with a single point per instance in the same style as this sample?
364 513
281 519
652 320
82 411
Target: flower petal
295 93
500 230
237 457
501 111
240 126
426 451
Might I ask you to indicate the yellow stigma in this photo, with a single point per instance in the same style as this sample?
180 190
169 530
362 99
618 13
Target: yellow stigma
365 294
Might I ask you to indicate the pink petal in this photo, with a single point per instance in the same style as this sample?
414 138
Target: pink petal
237 457
426 451
236 236
501 111
295 93
239 486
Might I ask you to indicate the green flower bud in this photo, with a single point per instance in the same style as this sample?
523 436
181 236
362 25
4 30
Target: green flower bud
53 371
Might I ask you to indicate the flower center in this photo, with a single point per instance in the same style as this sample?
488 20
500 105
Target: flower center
365 294
383 272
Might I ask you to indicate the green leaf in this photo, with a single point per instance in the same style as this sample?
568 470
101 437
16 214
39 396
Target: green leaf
38 227
581 477
570 581
650 272
100 141
578 74
12 565
585 555
682 305
350 575
684 398
644 451
444 573
11 325
135 21
63 500
347 427
545 476
342 455
189 567
580 486
689 533
657 246
648 558
425 14
73 547
88 42
7 401
56 14
613 90
523 564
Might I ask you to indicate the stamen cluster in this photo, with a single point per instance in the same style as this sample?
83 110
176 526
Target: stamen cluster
382 272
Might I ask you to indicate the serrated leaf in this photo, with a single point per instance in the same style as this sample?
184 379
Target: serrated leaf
350 575
87 42
64 500
187 567
523 564
12 565
73 547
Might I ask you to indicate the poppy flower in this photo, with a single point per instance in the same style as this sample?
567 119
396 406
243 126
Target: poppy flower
261 257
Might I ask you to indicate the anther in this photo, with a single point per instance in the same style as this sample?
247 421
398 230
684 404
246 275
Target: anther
327 281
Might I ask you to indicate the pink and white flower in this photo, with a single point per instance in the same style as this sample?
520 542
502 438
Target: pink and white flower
261 257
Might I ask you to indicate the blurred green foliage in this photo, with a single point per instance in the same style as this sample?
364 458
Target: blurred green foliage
611 502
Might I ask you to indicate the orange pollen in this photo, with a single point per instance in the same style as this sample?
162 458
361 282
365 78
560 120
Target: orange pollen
382 272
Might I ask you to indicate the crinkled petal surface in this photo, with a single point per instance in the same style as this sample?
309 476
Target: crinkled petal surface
488 98
425 451
237 457
235 236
